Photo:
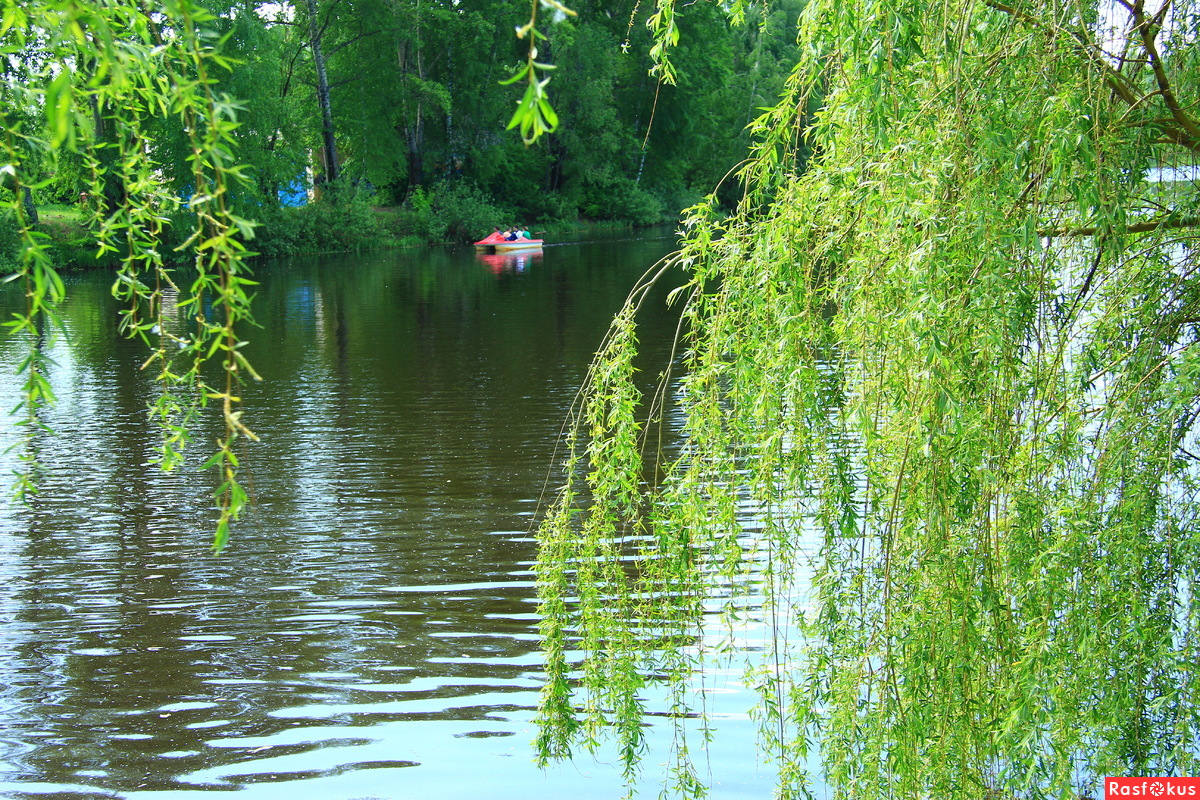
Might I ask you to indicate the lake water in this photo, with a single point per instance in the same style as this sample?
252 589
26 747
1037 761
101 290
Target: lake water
371 629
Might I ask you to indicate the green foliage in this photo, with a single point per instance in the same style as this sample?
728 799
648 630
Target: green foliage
323 227
421 102
69 174
417 101
534 115
10 240
461 212
416 219
94 80
939 406
79 252
622 199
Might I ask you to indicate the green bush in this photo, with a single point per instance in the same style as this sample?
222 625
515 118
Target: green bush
69 177
79 252
10 242
71 245
622 199
551 207
466 212
320 227
678 197
416 219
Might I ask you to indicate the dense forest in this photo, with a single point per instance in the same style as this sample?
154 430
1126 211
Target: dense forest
400 104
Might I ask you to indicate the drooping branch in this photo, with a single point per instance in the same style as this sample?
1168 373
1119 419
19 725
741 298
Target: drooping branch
1184 130
1148 30
877 249
1084 46
1167 223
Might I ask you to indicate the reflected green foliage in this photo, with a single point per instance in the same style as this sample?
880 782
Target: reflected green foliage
939 393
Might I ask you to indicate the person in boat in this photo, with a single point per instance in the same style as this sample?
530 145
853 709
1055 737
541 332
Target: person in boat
511 235
524 233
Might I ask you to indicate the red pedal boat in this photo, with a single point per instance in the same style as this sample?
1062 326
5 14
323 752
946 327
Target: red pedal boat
495 243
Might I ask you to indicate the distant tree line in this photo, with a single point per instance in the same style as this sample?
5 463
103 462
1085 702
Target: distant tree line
400 102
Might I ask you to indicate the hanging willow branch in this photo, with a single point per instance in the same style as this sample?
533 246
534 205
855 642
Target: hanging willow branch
97 76
938 407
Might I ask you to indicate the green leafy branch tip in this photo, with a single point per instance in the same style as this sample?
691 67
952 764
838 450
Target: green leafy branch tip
534 115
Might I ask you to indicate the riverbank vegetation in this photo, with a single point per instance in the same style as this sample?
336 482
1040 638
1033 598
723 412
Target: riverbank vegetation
398 106
939 393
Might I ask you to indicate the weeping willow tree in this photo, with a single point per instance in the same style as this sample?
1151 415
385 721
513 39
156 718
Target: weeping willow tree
938 391
93 79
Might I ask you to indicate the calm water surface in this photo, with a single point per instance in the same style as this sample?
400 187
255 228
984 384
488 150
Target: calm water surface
371 630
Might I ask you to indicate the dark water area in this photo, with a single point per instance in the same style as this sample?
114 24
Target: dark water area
371 629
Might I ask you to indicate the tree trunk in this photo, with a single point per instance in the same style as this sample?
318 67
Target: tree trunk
451 156
30 207
416 161
416 136
414 124
554 172
329 157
